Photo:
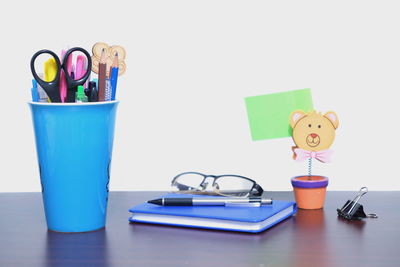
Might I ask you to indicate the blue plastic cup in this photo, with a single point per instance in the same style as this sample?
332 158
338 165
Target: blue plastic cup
74 146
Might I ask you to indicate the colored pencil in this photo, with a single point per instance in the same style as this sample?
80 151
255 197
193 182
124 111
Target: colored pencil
102 75
114 76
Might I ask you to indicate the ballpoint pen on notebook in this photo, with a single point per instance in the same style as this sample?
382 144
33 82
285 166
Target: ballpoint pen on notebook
210 201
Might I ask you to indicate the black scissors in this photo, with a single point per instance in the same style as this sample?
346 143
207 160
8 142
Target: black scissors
52 88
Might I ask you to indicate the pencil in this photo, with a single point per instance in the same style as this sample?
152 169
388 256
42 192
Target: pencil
114 76
102 75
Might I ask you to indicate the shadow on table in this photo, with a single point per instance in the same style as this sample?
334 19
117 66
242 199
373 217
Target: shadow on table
77 249
217 248
356 224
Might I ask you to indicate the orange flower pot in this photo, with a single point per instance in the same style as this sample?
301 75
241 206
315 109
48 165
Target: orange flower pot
309 191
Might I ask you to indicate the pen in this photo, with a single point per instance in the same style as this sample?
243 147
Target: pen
73 72
108 91
34 90
102 75
209 201
87 92
93 92
42 94
63 82
80 67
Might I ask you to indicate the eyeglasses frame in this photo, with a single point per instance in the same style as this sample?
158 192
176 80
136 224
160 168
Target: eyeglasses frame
256 187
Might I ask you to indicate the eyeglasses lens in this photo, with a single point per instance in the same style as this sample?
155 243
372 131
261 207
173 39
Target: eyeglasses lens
232 185
188 181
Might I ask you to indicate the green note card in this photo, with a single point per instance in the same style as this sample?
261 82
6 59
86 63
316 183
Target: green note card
269 114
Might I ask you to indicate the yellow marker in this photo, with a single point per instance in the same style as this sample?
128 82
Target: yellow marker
50 70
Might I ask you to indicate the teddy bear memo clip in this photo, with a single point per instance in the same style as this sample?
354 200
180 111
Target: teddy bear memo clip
313 134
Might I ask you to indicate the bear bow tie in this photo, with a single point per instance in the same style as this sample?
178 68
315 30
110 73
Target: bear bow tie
323 155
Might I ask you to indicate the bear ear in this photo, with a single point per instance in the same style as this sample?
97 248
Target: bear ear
333 118
295 116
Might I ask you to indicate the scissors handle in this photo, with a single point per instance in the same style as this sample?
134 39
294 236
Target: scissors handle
51 87
71 83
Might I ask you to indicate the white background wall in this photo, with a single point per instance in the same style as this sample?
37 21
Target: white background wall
190 65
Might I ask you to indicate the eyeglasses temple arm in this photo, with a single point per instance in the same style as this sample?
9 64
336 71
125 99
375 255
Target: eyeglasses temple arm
259 189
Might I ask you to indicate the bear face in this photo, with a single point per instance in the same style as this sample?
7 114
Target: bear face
313 131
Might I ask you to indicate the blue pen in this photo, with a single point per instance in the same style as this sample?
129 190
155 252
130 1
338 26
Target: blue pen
108 91
114 76
113 81
34 91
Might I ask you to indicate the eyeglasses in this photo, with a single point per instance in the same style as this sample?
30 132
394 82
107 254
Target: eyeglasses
228 184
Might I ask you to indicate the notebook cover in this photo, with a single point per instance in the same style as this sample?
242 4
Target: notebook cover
241 214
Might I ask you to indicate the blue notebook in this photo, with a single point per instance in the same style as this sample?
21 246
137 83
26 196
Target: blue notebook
231 218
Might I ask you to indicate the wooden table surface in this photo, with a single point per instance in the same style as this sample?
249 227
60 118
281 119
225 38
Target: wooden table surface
311 238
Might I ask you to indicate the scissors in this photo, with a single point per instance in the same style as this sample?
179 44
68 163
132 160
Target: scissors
52 88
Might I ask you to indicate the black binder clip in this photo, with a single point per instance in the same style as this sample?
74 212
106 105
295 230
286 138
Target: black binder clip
354 211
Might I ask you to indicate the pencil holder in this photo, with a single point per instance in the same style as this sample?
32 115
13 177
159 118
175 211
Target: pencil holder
74 144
